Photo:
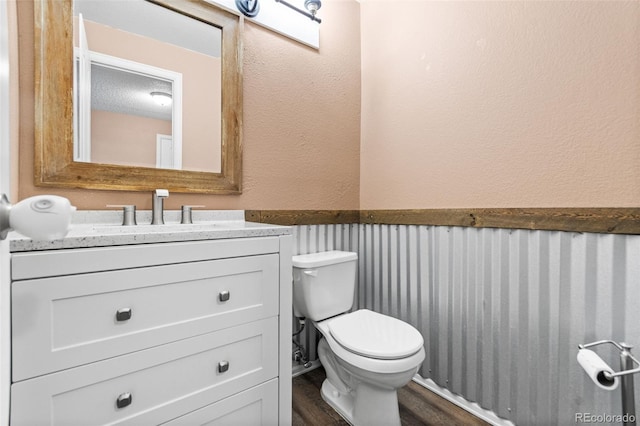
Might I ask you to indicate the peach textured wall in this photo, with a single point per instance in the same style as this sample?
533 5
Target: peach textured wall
301 121
500 104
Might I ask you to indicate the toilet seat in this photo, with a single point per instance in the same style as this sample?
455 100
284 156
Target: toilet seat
370 334
375 365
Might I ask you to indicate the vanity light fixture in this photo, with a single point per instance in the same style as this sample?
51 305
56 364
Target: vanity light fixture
161 98
249 8
311 5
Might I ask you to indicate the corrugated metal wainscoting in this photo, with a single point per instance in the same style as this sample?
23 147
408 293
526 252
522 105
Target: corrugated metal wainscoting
502 311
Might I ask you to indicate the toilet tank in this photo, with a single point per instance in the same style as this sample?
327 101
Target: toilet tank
323 284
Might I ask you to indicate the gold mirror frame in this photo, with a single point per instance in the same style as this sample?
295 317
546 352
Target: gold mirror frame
54 165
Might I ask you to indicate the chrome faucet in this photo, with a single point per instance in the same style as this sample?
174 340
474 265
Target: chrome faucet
157 214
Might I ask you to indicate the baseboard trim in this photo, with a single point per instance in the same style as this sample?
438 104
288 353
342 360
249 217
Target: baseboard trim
471 407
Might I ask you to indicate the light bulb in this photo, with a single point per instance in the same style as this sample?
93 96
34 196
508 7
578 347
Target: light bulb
312 6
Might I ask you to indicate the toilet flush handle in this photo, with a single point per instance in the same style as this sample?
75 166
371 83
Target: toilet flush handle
311 272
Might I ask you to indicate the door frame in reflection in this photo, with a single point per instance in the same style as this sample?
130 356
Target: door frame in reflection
82 123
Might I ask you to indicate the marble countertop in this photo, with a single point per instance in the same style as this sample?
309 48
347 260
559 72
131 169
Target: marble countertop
102 228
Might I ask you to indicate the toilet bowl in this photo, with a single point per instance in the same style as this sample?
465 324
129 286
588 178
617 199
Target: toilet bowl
363 375
367 355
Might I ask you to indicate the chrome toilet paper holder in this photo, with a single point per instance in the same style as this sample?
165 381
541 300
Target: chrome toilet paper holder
627 370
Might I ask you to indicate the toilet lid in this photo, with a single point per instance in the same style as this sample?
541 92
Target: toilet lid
374 335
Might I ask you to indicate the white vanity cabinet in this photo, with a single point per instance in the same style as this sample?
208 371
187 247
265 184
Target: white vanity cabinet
182 333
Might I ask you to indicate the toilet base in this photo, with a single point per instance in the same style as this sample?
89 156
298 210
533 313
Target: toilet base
377 407
341 402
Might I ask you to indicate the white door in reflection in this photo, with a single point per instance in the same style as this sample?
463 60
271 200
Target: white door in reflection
167 156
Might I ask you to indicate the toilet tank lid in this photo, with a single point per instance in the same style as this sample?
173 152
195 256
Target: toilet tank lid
314 260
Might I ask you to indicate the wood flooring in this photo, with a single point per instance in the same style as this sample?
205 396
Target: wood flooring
418 406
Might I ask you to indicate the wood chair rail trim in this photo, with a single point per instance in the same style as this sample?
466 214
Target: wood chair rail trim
596 220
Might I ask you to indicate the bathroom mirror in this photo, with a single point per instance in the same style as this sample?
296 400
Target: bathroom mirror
60 162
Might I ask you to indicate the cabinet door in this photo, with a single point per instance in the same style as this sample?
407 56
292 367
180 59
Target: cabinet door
152 386
256 406
63 322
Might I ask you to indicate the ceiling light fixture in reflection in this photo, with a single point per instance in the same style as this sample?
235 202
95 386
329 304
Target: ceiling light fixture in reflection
161 98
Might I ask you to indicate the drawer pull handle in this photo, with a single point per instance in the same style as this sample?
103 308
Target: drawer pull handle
224 295
123 314
124 400
223 366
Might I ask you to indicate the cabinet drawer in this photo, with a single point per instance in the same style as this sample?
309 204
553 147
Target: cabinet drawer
256 406
163 383
63 322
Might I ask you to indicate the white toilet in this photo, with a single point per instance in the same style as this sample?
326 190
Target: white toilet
367 355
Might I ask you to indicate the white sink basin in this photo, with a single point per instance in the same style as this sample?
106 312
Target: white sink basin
148 229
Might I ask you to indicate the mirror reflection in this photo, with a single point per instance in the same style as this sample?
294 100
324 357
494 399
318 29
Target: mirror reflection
147 87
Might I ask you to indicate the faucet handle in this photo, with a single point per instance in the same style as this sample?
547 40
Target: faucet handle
186 214
163 193
128 213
